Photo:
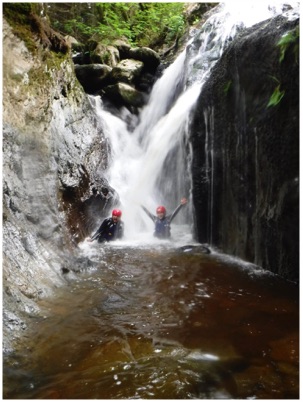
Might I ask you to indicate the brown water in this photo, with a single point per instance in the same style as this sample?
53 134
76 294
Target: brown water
160 323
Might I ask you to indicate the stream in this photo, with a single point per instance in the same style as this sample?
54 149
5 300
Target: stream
162 320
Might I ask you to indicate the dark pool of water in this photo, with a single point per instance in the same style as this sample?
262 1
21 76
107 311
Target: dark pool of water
161 323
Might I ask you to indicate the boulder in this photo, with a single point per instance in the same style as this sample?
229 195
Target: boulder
149 57
93 77
102 66
123 48
103 54
145 82
123 94
73 43
127 71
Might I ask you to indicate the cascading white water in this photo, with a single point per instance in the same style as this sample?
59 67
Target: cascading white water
139 170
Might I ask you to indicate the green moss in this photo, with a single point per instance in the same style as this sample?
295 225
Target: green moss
288 40
20 18
28 26
18 15
42 76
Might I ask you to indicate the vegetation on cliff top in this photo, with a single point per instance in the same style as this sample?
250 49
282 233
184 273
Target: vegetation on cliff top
140 24
27 24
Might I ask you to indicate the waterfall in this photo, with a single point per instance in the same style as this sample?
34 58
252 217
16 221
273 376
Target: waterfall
149 164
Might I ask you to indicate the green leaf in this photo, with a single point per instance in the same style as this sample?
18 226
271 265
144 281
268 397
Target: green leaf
276 97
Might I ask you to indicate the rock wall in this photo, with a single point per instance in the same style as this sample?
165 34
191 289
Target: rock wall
245 140
54 154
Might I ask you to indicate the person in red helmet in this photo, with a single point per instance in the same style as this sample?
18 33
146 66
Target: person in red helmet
112 228
162 221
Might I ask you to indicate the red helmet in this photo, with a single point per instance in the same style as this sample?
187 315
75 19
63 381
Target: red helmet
117 213
161 209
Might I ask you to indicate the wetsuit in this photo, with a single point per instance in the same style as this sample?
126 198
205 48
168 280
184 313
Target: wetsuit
109 231
162 226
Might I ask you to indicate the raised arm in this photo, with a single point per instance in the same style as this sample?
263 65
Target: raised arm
150 215
176 211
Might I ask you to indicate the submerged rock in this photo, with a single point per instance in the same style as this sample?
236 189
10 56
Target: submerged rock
195 249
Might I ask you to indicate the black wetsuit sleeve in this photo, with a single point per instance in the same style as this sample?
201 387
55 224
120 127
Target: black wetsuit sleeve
173 215
100 230
150 215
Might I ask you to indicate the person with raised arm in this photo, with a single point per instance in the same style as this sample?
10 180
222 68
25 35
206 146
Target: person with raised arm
162 220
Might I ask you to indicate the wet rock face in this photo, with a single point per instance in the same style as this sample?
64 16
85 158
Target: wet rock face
55 153
244 134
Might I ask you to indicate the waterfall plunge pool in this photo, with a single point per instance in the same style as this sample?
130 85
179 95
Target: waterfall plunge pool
153 321
162 322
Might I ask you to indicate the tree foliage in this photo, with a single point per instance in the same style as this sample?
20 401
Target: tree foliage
142 24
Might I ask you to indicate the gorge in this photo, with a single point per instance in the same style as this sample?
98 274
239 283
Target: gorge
220 127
